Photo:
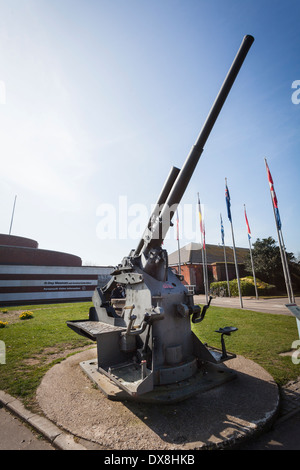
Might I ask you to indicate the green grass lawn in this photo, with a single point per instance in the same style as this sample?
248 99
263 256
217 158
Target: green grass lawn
261 337
34 345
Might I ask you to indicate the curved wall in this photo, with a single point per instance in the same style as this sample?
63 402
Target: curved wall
24 251
13 240
34 257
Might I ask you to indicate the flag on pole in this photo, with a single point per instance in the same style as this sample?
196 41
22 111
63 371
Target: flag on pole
247 223
227 197
202 229
284 261
225 259
274 198
222 230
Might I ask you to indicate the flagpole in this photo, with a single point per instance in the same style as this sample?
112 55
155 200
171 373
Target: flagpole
206 273
205 260
236 267
250 249
228 287
233 244
291 297
202 249
284 267
12 217
256 294
178 244
225 258
280 242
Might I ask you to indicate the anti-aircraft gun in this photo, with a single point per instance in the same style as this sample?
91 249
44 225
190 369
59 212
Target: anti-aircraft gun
147 348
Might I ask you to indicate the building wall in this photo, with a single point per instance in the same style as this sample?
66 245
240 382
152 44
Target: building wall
30 284
219 271
193 274
28 274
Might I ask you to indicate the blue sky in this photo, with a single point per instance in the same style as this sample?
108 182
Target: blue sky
103 97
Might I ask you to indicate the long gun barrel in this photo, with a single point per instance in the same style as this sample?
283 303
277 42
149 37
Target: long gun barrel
161 227
159 205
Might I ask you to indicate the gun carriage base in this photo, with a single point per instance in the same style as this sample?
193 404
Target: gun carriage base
160 359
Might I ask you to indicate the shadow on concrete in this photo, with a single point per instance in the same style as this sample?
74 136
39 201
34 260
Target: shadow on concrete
216 418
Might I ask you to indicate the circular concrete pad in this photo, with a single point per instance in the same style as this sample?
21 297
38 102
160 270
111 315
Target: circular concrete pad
214 419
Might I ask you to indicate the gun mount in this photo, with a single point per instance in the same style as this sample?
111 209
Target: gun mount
145 344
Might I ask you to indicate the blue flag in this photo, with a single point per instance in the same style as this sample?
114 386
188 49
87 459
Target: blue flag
222 230
227 197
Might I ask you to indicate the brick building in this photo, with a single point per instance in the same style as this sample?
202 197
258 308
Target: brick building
192 264
29 274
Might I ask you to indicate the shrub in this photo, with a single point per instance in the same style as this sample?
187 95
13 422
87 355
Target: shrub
219 288
26 315
247 287
3 324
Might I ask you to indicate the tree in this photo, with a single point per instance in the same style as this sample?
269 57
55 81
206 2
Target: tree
267 262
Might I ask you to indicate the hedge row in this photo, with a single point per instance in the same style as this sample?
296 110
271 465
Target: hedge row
247 287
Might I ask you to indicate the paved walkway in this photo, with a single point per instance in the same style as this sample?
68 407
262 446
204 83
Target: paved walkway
276 305
15 435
